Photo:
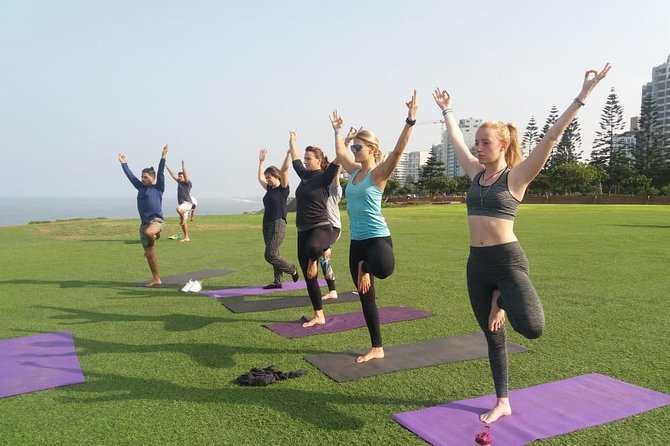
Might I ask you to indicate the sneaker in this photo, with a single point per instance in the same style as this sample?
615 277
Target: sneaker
295 276
187 287
272 286
196 287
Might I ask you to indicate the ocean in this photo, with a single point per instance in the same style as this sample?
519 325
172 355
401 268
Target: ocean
20 211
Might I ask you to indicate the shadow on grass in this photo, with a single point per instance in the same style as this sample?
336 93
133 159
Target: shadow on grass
125 242
126 289
171 322
205 354
295 403
644 226
68 283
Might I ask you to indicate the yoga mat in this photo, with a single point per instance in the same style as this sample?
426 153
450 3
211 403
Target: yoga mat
38 362
241 306
345 321
539 412
343 367
181 279
257 289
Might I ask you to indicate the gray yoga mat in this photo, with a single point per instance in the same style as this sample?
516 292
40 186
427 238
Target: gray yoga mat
181 279
343 367
239 305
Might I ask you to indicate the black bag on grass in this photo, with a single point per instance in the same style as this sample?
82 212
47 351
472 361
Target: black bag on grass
269 375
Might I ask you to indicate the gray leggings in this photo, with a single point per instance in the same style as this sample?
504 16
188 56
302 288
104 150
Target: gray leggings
503 267
273 235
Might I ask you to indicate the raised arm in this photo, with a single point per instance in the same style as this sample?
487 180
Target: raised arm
172 174
524 172
284 170
467 160
129 174
292 149
183 170
261 168
384 170
342 155
160 174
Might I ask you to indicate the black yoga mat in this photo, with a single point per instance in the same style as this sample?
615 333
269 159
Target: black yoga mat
239 305
343 367
181 279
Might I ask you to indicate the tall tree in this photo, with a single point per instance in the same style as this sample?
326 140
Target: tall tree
604 152
551 119
434 167
530 137
648 156
567 149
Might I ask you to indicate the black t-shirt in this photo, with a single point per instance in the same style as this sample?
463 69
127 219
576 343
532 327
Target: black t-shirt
274 202
312 194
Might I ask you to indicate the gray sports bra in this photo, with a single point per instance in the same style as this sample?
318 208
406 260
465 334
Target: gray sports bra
492 201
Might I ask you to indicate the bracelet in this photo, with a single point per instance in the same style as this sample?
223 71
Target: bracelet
445 111
580 102
337 133
410 122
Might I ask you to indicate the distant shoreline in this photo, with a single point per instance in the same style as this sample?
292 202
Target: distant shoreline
21 211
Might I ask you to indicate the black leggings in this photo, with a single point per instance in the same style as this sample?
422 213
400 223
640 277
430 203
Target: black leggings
379 261
505 268
311 244
334 236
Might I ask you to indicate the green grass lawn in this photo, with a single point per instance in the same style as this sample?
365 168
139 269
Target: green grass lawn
160 365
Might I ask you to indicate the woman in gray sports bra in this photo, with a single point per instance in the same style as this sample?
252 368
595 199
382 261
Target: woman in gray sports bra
497 268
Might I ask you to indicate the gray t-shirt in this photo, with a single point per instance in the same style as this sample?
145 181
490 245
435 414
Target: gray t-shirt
332 207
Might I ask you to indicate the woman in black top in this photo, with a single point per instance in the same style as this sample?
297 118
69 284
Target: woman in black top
275 183
314 228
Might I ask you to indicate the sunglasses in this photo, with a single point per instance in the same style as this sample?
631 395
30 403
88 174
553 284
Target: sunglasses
356 147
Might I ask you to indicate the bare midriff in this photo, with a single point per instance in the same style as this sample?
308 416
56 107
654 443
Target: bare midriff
490 231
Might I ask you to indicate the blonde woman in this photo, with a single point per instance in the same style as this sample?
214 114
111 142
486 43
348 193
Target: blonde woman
497 268
371 248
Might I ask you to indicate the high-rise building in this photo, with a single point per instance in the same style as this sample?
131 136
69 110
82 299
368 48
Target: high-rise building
413 164
469 128
659 89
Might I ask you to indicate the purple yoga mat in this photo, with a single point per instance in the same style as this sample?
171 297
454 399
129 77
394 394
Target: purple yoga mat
539 412
38 362
258 289
345 321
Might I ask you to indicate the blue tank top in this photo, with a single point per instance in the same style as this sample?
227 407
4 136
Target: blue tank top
364 206
492 201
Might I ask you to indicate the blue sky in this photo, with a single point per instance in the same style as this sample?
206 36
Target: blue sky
218 81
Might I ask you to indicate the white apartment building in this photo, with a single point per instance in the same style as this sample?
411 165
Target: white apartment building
469 127
413 164
659 89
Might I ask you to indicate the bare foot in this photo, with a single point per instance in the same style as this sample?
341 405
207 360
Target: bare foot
316 320
330 295
501 409
184 240
312 269
363 279
497 314
373 353
153 283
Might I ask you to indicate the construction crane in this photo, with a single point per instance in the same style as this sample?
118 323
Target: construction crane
440 121
442 126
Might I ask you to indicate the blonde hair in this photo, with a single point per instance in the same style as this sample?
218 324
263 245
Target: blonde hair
370 139
508 133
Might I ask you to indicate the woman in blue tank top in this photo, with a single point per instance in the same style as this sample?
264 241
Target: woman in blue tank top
497 268
371 247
